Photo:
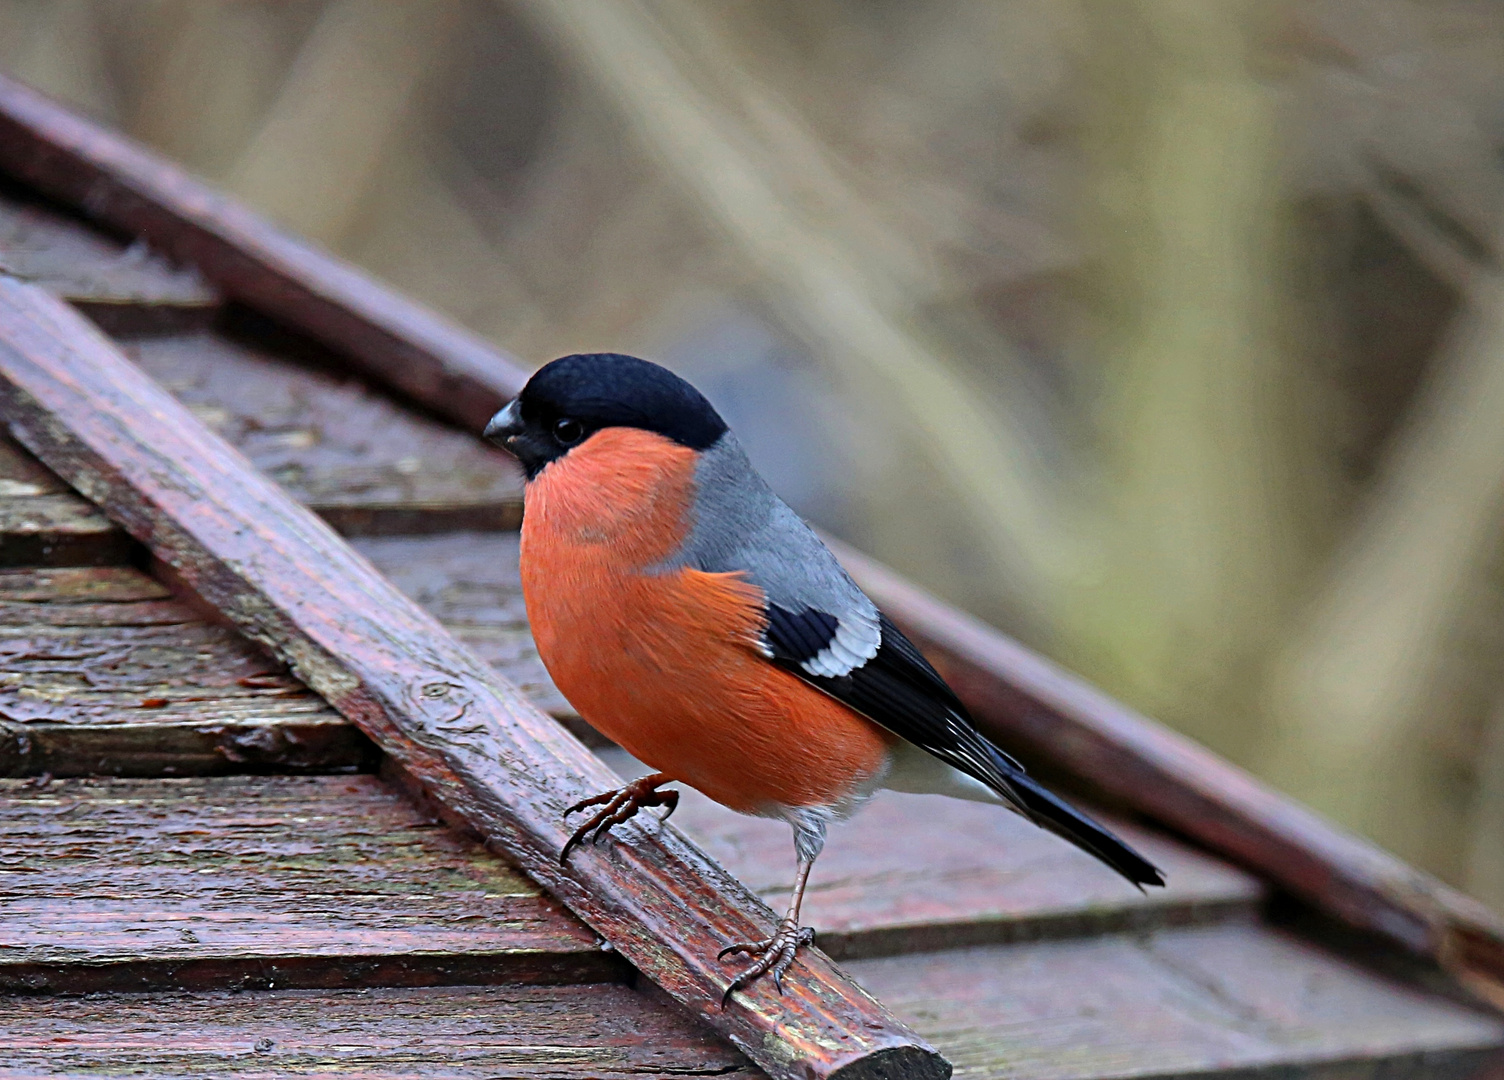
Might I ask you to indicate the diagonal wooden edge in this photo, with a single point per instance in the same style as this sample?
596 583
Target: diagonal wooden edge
1037 708
115 180
472 741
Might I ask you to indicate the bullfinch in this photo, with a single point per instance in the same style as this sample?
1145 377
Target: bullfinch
697 621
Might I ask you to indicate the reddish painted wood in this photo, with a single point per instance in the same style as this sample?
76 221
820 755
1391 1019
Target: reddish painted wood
1240 1001
473 742
102 673
470 582
458 1033
384 335
125 289
42 523
913 873
362 462
1043 713
251 882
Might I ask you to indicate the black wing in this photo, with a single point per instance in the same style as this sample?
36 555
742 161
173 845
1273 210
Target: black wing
900 690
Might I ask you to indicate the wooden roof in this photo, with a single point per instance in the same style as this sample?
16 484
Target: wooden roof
270 811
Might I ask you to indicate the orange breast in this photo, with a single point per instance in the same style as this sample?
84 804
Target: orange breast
666 664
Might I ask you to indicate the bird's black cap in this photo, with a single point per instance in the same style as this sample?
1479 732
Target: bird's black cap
568 400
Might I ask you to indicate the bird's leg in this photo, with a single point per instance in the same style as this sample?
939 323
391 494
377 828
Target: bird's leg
777 952
619 806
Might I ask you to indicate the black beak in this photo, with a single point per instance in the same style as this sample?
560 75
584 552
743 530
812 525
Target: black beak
505 426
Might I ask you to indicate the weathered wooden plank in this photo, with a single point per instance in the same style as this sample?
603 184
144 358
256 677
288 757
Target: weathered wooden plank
1045 714
120 183
280 881
362 462
74 587
912 873
102 673
471 583
463 1033
42 523
482 752
58 530
1234 1000
217 704
124 288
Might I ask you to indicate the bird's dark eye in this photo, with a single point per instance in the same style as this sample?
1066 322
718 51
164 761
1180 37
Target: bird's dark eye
569 431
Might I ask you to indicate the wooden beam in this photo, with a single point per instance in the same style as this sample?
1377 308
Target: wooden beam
251 883
593 1032
384 335
472 741
1047 715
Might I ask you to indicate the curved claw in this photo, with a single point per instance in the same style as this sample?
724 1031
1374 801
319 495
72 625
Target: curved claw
744 947
670 800
619 806
594 800
776 955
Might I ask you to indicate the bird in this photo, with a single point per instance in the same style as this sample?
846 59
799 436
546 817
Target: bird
693 618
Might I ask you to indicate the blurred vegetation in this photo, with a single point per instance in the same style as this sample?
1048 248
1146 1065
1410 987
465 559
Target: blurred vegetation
1167 334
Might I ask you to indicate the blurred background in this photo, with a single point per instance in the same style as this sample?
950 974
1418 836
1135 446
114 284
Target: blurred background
1167 335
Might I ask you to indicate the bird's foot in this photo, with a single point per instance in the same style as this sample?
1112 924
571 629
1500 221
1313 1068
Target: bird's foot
619 806
773 954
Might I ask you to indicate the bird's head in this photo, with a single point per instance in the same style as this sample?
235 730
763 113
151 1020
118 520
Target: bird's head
570 399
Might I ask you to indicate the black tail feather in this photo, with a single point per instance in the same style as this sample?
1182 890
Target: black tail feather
1051 812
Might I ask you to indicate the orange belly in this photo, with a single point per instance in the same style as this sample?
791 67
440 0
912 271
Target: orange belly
666 663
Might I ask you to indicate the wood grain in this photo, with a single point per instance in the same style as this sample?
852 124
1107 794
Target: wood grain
262 881
1046 715
125 288
471 583
460 1033
913 873
103 673
362 462
42 523
477 746
139 194
1236 1000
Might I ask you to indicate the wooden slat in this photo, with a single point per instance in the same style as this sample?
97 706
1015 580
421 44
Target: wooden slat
120 183
461 1033
913 873
260 882
103 673
471 583
1045 714
42 523
484 754
217 704
124 288
363 463
1238 1001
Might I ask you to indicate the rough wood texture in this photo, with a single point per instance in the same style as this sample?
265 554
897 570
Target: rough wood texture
460 1033
85 647
913 873
474 743
103 673
42 523
363 463
124 288
1237 1001
259 882
1047 715
470 582
384 335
